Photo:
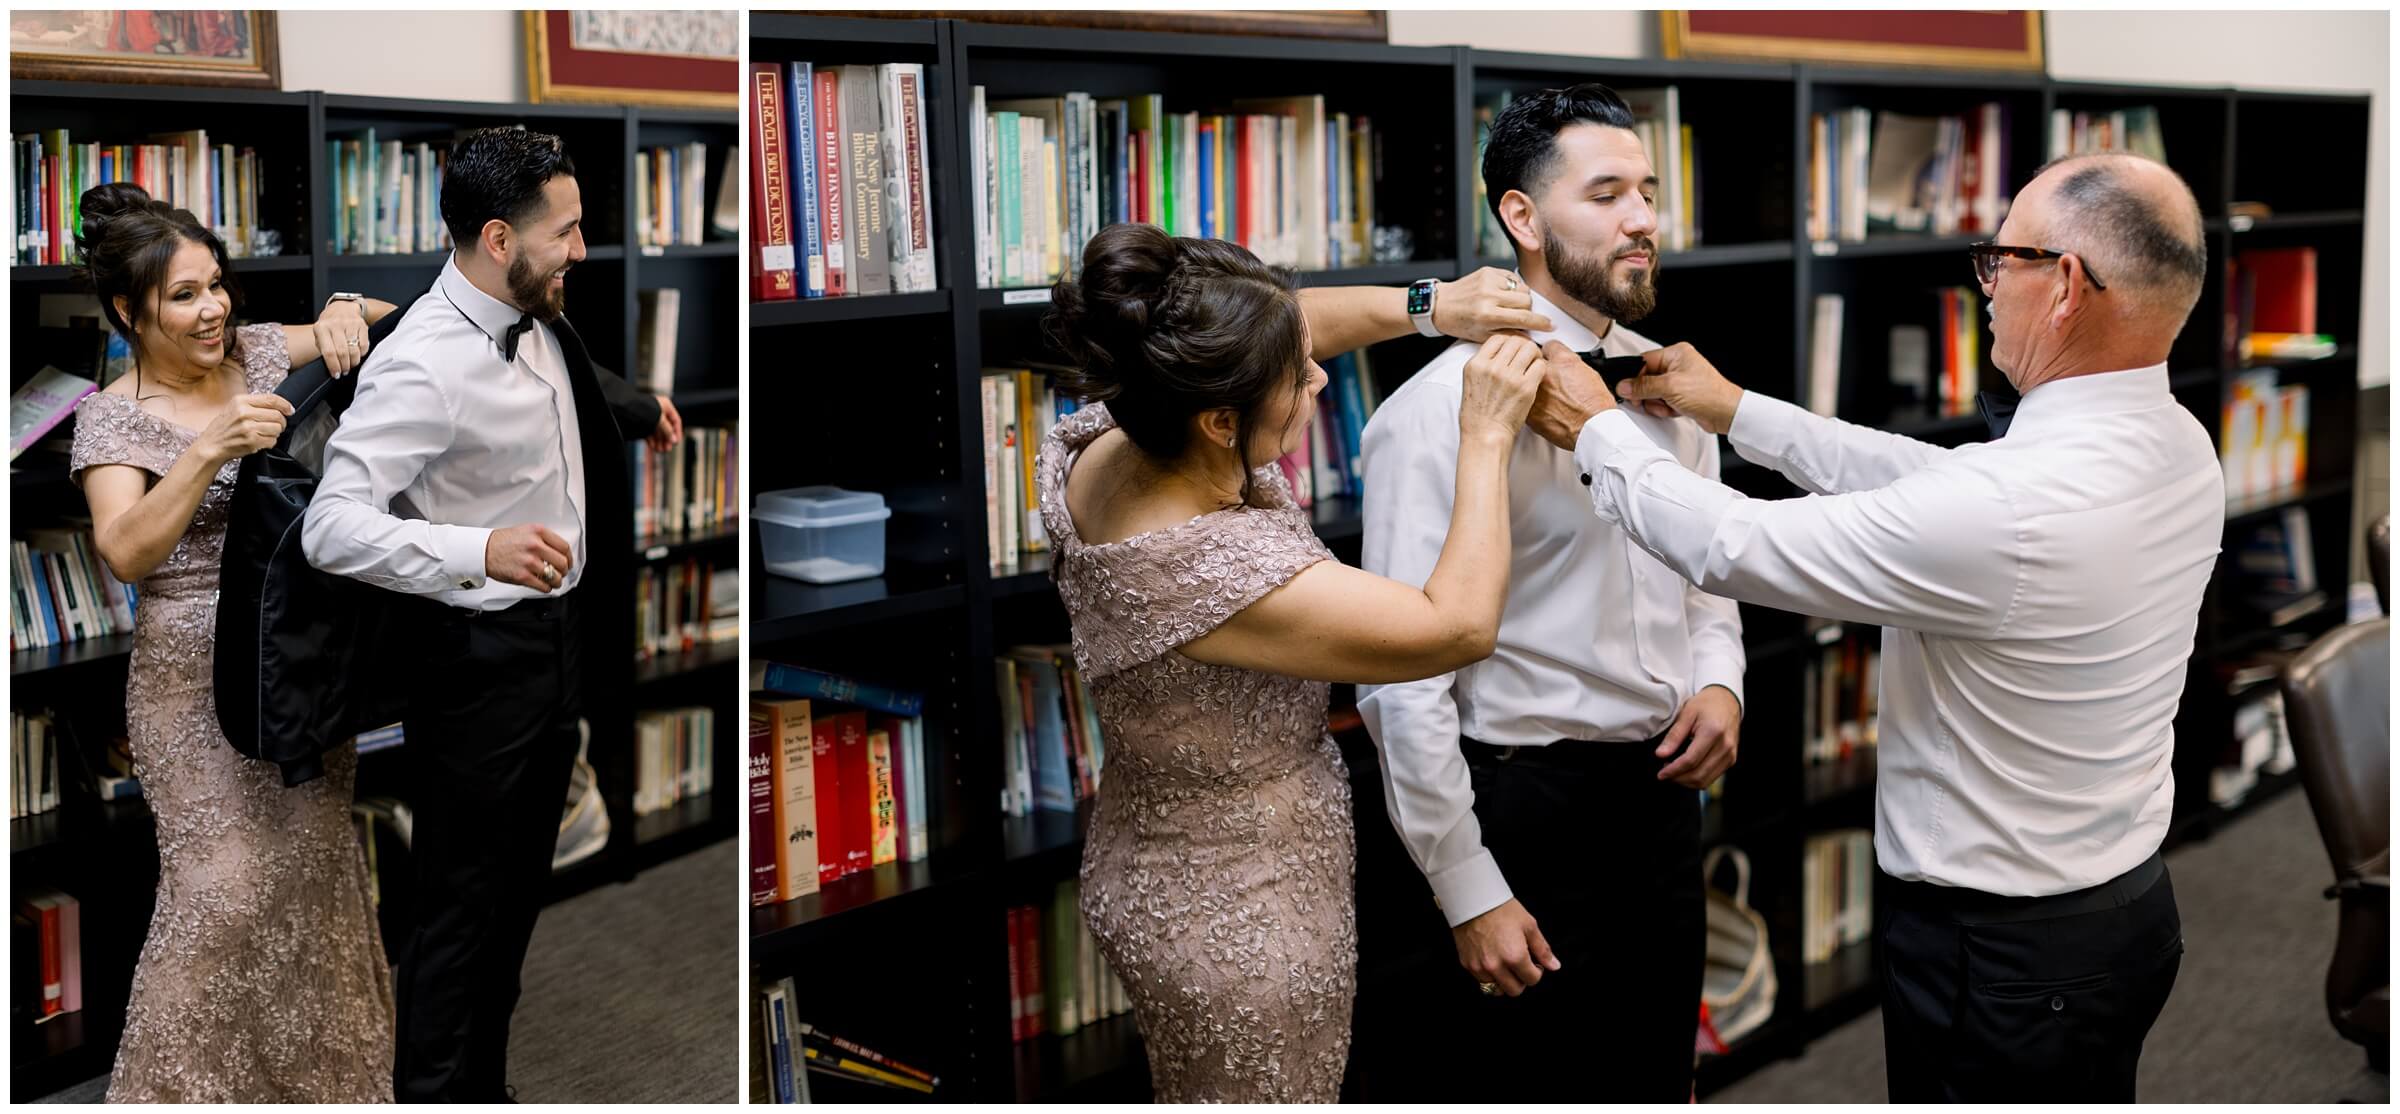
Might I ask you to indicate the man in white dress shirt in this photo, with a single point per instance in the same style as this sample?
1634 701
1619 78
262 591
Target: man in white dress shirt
1550 794
2038 593
479 473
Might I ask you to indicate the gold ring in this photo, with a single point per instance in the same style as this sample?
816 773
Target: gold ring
1488 988
1510 282
353 342
549 571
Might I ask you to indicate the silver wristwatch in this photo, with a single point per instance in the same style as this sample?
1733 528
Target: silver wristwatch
1420 306
351 296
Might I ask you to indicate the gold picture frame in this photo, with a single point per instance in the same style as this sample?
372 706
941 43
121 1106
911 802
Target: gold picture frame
2016 39
147 46
546 56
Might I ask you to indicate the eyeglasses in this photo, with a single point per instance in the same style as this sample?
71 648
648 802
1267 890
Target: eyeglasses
1986 257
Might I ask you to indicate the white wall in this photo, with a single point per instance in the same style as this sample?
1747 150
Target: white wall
2344 51
443 56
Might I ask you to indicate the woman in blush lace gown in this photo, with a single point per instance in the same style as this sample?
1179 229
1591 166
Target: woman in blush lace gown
1208 620
263 978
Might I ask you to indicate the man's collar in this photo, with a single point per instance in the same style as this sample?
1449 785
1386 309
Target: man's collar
1567 331
488 313
2106 392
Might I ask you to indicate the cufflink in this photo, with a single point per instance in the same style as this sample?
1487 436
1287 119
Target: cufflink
470 585
1587 479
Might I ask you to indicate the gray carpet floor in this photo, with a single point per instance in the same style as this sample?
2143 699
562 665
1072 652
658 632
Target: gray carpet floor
631 993
2246 1022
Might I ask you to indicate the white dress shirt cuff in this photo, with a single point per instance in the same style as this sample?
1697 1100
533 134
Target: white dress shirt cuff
462 549
1470 889
1710 669
1764 429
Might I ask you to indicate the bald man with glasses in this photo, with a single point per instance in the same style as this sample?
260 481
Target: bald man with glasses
2038 594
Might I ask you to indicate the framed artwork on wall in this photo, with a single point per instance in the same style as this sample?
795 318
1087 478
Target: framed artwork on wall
690 59
236 48
1994 40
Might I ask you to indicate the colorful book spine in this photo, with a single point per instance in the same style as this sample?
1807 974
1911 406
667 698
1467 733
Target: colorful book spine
770 207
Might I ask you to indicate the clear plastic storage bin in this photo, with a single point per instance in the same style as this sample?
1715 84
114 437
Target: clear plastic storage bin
824 535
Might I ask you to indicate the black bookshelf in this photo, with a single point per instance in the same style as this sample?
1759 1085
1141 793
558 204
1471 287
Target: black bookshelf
938 616
107 849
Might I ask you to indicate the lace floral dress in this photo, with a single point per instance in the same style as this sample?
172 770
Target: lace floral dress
263 978
1219 869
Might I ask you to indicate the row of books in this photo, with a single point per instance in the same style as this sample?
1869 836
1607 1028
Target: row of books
60 591
837 780
1936 367
1838 696
1058 982
2135 130
2266 436
1837 892
1873 172
1669 142
1050 730
1019 410
46 398
1325 466
791 1048
682 606
387 195
840 189
2274 578
219 183
674 757
2271 306
33 743
1280 176
693 488
670 194
45 934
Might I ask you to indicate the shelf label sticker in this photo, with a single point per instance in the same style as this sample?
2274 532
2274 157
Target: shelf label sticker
776 257
1825 247
1032 296
654 250
2240 224
654 553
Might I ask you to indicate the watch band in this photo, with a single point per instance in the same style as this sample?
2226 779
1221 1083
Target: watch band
1420 306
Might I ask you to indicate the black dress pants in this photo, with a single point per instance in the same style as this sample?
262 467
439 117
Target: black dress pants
1606 858
491 739
1999 999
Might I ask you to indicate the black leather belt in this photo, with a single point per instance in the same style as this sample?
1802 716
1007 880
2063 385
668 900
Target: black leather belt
1978 907
1566 754
543 609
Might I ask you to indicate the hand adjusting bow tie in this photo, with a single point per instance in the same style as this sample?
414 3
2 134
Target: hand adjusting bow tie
508 344
1613 369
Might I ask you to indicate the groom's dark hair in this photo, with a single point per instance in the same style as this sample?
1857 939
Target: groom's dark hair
498 174
1522 152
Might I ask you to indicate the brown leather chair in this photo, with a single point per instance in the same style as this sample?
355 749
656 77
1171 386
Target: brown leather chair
2379 558
2337 695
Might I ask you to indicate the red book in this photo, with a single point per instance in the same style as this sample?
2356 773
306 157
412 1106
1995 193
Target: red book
1016 977
833 833
1035 1004
2285 281
1970 171
53 977
829 181
1241 183
857 802
770 198
761 786
1141 177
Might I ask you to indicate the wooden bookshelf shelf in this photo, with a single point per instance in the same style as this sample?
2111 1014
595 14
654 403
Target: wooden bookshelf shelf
706 655
1751 121
860 307
595 253
782 608
67 655
244 265
1894 244
2242 512
687 815
668 547
705 396
715 249
2344 355
2280 222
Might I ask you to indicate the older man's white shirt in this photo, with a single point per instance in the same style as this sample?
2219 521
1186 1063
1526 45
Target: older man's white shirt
2039 596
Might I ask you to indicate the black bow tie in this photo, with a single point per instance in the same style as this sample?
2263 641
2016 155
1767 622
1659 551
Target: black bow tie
508 344
1613 369
1999 408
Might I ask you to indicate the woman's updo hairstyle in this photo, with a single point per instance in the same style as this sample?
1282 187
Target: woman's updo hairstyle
127 240
1162 328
